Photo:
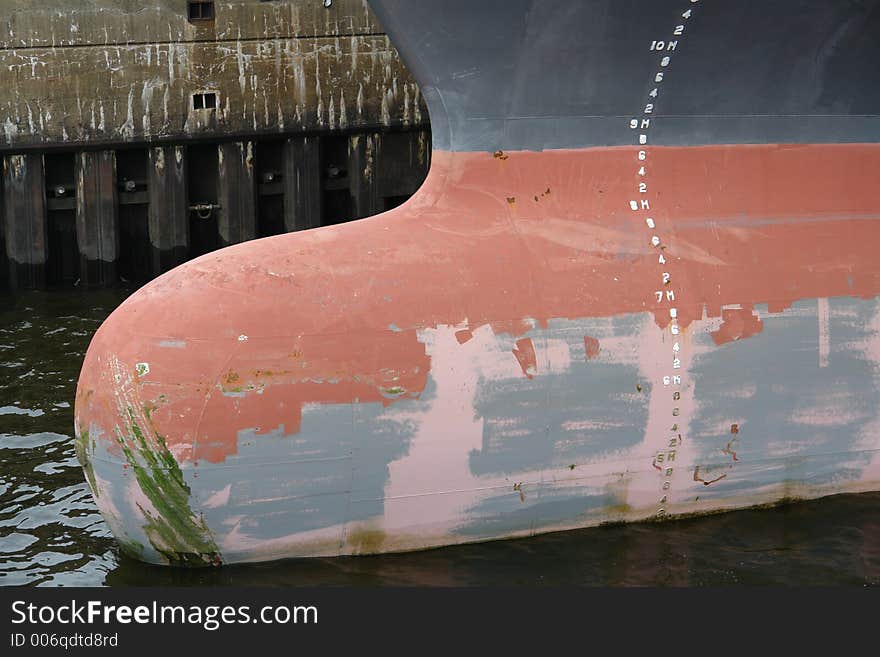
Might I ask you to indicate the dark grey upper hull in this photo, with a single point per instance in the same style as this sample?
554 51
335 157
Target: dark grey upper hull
536 74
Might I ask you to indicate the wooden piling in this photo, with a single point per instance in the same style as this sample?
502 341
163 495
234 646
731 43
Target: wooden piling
404 158
168 213
97 217
302 183
25 220
237 220
363 159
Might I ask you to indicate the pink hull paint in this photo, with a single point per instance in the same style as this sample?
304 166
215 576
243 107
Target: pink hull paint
452 318
459 254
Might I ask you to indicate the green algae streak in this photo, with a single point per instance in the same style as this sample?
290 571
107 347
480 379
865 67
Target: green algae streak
175 531
82 455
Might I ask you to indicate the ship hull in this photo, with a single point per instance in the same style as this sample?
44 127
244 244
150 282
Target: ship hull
568 325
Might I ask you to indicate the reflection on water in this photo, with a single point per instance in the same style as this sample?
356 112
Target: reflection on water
52 534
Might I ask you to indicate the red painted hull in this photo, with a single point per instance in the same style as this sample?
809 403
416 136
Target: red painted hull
230 349
488 240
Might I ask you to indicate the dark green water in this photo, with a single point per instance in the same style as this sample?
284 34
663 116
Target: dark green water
51 532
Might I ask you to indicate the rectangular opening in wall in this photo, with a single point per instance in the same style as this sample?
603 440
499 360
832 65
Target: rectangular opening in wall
270 186
200 10
135 253
60 181
62 249
336 206
63 257
205 100
202 171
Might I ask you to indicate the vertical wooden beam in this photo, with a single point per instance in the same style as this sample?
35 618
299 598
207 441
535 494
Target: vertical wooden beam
404 158
363 158
4 260
97 217
302 183
25 220
237 192
168 214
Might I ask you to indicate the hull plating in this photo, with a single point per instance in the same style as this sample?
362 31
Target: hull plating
539 340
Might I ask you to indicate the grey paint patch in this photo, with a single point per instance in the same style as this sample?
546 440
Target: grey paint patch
381 441
545 505
286 483
114 497
797 422
282 483
537 423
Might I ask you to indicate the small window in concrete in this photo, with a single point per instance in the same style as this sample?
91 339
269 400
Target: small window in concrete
200 10
205 100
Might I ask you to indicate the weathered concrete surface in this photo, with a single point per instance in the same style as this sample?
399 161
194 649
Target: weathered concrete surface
118 22
131 73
